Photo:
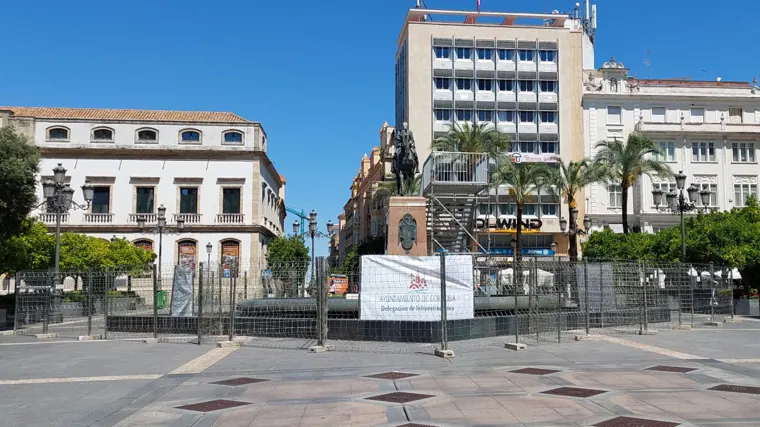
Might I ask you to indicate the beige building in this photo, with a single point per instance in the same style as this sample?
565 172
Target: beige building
519 72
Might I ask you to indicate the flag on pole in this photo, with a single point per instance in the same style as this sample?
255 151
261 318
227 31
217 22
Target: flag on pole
478 6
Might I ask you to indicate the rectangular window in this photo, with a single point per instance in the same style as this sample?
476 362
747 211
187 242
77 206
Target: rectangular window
614 115
506 55
507 116
485 116
702 152
527 117
506 209
744 152
527 55
442 115
526 85
735 115
101 200
231 200
549 209
742 193
548 86
697 115
667 151
549 148
658 114
529 209
616 196
442 52
464 84
666 187
548 117
464 53
485 85
713 189
485 54
442 83
527 147
464 115
144 200
547 55
188 200
506 85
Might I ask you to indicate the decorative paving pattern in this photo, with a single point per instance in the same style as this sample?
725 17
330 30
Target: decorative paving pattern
736 388
535 371
239 381
677 369
400 397
635 422
391 376
213 405
574 392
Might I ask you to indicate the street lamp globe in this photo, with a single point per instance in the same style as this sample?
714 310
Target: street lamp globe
68 197
180 223
141 222
586 223
657 196
671 198
705 195
562 224
48 188
680 180
329 226
573 215
88 191
553 246
313 221
296 227
59 174
208 248
693 193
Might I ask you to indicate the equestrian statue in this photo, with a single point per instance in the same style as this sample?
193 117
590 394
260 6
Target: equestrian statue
405 162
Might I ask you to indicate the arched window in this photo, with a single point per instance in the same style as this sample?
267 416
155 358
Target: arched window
233 137
187 252
58 134
102 135
190 136
230 258
147 136
144 244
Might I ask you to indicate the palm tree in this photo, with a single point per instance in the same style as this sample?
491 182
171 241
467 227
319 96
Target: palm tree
566 181
388 188
467 138
523 179
622 163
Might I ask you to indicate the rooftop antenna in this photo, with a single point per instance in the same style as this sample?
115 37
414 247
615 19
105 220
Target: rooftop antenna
648 63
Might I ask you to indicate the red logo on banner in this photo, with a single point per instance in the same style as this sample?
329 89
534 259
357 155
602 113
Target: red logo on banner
418 283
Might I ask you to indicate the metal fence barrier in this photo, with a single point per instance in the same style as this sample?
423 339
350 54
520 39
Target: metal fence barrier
487 300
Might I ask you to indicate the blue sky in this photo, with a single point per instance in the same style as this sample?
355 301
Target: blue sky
318 75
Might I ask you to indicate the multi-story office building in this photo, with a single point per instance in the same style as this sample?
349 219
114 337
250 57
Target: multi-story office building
519 72
710 130
209 169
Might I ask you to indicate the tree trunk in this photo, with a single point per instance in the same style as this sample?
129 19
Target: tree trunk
624 204
572 250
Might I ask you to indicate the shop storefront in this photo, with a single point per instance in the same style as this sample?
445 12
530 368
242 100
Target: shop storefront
539 237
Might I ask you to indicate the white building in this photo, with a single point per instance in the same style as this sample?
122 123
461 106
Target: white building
209 169
710 130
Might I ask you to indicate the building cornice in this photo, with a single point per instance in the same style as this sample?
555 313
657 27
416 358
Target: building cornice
122 229
633 97
142 122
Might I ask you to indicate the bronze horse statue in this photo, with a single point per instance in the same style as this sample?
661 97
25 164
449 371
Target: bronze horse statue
405 162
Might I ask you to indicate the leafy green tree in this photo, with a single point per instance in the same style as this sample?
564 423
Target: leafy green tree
566 181
622 163
19 163
467 138
31 248
523 180
288 259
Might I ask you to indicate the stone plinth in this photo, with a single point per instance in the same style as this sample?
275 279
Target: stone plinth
398 206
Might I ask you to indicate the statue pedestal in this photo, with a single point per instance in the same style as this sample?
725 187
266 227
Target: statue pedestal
398 208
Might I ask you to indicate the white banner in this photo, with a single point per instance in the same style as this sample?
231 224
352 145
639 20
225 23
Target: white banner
398 287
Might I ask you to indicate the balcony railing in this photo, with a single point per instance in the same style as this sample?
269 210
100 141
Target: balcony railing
98 218
455 169
49 218
189 218
149 218
230 218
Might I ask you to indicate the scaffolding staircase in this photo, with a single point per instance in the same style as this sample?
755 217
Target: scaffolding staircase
452 184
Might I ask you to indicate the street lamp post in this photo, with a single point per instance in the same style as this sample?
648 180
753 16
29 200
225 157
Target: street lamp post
574 231
161 228
208 253
59 199
679 204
